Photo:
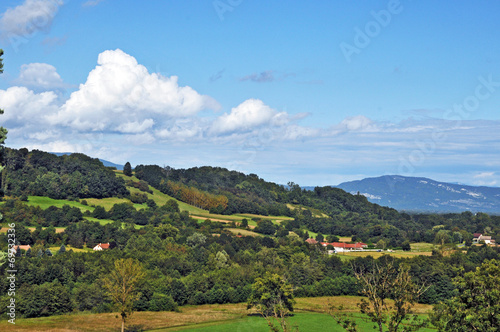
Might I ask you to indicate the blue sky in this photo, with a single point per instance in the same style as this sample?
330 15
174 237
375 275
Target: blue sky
316 92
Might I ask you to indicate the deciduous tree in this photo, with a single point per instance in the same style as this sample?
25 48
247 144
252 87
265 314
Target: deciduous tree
122 285
384 282
381 285
272 296
476 305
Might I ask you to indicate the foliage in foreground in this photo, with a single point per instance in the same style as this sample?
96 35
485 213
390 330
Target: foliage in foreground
272 297
385 281
476 305
122 286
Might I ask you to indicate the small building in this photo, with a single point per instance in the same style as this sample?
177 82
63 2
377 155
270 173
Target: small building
487 239
101 246
478 237
311 241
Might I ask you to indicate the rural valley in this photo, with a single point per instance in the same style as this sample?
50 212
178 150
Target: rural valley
203 237
249 166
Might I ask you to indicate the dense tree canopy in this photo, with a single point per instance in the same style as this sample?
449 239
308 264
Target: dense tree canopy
69 176
476 305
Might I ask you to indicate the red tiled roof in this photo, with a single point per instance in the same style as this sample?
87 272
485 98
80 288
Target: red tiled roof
311 241
104 245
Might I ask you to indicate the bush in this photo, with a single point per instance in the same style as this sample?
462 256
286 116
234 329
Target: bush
44 300
162 302
138 198
406 246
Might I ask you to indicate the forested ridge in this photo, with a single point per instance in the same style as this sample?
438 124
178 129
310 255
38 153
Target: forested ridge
40 173
190 261
327 210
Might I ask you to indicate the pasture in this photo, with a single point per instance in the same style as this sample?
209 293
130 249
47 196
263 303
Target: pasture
311 314
375 254
46 202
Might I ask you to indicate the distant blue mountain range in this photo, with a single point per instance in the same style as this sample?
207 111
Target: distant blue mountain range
104 162
416 194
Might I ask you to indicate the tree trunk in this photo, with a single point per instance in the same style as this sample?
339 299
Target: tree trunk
123 325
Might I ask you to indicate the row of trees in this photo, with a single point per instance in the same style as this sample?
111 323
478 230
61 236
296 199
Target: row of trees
195 197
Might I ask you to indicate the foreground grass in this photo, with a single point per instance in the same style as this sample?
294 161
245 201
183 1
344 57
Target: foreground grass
310 315
303 321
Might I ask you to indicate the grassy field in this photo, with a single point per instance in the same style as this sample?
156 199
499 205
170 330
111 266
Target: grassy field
310 315
5 227
238 218
422 247
375 254
303 321
55 249
109 221
274 219
45 202
243 232
58 229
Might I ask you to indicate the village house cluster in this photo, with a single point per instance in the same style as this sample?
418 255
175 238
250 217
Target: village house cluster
340 246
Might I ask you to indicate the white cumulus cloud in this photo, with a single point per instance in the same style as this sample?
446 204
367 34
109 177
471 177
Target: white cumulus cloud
248 115
40 76
119 90
22 105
